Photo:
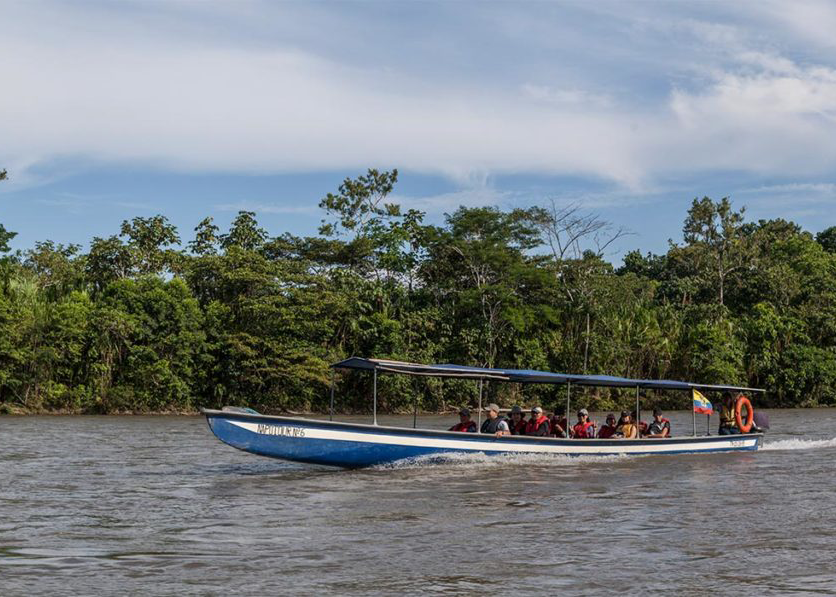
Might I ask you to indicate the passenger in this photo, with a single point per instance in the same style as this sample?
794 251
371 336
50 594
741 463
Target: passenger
558 423
538 424
608 429
465 423
517 422
626 428
728 423
495 424
642 426
660 427
585 429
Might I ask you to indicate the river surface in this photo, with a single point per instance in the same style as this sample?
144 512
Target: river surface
158 506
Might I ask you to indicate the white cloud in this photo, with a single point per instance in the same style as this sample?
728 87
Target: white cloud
149 86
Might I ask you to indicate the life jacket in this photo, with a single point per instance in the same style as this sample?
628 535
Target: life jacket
626 429
584 430
606 431
661 426
519 428
468 427
491 425
533 426
727 416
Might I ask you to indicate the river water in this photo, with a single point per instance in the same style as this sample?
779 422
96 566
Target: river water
158 506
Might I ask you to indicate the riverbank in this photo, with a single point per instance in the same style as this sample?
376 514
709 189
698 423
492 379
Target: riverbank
14 410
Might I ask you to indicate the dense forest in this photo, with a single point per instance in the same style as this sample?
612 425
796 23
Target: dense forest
148 321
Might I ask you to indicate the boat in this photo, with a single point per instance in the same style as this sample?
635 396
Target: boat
358 445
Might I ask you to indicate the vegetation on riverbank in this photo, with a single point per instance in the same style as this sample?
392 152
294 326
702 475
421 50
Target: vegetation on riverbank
143 322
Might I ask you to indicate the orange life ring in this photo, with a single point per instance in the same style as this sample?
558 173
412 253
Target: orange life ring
738 416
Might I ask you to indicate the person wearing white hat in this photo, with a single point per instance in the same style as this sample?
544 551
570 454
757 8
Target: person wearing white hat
538 424
495 424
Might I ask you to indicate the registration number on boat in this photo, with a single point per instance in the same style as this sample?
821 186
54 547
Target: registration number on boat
282 430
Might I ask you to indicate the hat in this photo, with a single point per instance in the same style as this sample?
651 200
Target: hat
584 412
610 416
493 406
536 409
465 412
516 409
626 413
657 412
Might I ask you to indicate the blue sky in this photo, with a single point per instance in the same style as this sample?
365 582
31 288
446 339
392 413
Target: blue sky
110 110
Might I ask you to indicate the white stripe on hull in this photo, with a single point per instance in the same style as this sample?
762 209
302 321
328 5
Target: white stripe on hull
506 444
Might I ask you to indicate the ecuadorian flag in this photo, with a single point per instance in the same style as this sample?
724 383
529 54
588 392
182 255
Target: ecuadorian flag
701 404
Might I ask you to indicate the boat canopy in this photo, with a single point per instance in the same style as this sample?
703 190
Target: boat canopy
526 376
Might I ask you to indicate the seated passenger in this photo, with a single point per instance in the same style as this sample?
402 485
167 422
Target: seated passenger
626 428
538 424
641 425
728 423
465 423
517 422
495 424
607 430
584 429
558 423
660 427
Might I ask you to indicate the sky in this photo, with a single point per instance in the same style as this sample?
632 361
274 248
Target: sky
111 110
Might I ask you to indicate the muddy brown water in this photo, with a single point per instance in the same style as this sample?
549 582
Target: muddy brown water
158 506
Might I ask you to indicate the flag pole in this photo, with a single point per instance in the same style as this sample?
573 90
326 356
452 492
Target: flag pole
694 413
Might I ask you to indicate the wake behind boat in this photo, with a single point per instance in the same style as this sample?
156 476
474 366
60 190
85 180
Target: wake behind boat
353 445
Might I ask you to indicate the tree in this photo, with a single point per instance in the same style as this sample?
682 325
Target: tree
5 237
149 240
58 268
109 260
477 266
206 238
244 233
827 239
713 232
578 241
3 175
6 261
359 201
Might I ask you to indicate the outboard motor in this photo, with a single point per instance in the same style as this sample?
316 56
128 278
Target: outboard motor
761 422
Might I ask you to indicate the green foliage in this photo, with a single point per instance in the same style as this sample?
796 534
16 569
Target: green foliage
241 317
827 239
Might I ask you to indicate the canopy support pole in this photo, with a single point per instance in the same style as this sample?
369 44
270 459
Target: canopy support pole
566 418
708 424
638 415
479 424
333 380
375 395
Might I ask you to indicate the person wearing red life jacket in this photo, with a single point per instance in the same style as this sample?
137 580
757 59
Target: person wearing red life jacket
660 427
607 430
517 422
584 429
538 424
558 424
465 423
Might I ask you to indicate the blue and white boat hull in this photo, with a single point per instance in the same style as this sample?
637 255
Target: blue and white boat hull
352 445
